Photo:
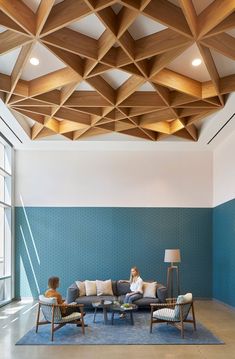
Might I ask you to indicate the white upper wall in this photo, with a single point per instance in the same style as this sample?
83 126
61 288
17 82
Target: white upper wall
224 171
114 178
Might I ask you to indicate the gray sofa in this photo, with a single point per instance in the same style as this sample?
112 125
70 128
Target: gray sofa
119 290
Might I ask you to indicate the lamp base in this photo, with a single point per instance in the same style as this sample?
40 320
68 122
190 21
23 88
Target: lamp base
170 280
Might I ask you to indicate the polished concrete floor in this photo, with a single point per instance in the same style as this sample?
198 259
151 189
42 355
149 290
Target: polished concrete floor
18 317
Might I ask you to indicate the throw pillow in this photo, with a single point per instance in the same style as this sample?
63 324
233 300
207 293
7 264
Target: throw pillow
90 286
81 287
149 289
187 298
104 287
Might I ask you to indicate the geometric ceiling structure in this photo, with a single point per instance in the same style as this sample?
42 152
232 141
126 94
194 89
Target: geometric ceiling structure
116 66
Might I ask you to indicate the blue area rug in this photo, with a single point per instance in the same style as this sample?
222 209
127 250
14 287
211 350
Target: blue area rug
122 332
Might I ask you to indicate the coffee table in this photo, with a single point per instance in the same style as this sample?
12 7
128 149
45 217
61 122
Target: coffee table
118 308
103 304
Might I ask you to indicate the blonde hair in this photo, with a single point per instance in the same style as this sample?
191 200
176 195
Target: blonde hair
137 274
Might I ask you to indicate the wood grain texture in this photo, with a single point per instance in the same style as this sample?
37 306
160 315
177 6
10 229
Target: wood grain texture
173 102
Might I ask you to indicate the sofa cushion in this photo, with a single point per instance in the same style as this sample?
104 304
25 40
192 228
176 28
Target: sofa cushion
104 287
145 302
142 302
90 287
123 287
88 300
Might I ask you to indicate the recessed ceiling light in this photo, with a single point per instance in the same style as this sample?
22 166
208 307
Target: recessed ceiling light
34 61
196 62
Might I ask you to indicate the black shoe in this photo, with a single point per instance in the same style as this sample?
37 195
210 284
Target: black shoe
80 324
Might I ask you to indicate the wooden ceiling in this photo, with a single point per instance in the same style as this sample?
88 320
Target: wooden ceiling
175 103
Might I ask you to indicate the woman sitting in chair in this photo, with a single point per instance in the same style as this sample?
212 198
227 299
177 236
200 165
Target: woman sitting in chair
51 292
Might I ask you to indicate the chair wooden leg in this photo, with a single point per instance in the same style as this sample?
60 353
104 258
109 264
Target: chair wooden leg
151 321
82 319
38 316
52 323
181 322
194 320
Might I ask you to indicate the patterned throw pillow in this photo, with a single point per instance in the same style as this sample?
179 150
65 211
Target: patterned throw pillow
90 286
187 298
149 289
104 287
81 287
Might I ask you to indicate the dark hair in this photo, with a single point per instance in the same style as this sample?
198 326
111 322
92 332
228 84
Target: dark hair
53 282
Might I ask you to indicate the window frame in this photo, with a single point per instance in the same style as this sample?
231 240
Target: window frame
7 171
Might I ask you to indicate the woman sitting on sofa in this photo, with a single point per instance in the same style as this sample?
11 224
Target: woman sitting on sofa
136 286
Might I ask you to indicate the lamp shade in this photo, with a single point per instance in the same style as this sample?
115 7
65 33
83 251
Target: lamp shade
172 256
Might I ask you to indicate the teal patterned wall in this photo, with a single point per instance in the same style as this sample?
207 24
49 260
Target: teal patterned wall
102 243
224 252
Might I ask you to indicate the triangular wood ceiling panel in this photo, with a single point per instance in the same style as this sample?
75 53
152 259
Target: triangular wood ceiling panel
77 102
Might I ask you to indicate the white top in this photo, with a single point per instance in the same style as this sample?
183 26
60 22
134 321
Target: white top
137 286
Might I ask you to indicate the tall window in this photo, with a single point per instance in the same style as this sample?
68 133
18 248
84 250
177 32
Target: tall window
6 237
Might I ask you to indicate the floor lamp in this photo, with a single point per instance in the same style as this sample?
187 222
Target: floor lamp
172 256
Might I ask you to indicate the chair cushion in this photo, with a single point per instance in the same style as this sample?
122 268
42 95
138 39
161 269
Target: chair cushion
165 314
46 300
183 299
70 318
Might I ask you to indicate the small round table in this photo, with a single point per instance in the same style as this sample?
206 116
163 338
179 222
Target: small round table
115 308
103 304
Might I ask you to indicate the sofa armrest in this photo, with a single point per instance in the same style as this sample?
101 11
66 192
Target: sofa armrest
72 293
161 292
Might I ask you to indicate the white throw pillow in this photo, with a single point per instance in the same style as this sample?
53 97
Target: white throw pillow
149 289
187 298
81 287
104 287
90 286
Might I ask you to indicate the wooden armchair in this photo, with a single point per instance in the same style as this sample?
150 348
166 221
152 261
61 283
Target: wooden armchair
52 314
174 312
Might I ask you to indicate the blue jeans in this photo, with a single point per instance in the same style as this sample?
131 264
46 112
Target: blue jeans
131 298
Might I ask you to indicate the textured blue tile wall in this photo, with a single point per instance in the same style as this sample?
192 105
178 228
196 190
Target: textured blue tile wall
102 243
224 252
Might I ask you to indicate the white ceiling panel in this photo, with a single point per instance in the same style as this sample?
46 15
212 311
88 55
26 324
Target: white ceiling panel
146 87
183 65
84 86
144 26
224 65
8 60
48 63
115 78
89 25
33 4
200 5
